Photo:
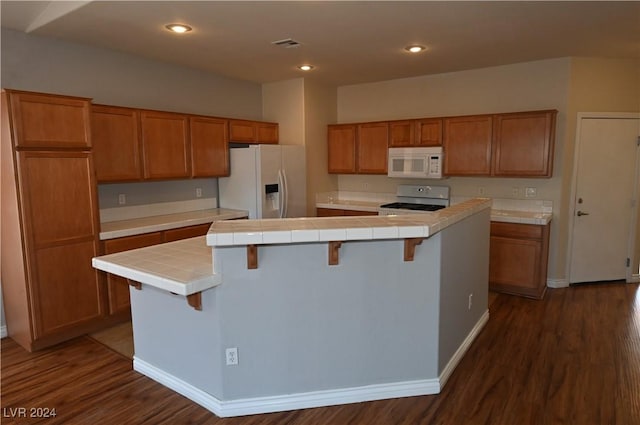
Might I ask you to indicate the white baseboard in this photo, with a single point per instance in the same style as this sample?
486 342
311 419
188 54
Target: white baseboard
256 405
557 283
280 403
635 278
460 352
3 332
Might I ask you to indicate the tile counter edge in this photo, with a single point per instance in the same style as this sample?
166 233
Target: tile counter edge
138 226
316 229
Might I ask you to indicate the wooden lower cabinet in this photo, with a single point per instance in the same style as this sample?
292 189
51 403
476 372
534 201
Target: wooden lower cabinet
186 232
518 259
336 212
118 287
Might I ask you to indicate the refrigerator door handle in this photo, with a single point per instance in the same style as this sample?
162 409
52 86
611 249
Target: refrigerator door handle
285 194
281 194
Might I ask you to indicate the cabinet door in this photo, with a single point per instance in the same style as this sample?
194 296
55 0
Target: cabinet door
61 222
209 147
186 232
165 143
428 132
515 262
518 259
267 132
242 131
116 143
42 120
373 148
402 133
341 144
117 287
467 146
523 145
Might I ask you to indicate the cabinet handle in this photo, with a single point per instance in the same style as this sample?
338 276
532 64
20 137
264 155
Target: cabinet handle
580 213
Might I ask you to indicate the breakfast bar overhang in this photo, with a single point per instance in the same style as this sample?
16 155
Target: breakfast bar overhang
313 311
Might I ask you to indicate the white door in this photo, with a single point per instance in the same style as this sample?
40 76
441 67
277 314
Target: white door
605 190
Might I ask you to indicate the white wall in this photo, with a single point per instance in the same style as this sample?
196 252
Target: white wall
320 110
283 102
304 109
110 77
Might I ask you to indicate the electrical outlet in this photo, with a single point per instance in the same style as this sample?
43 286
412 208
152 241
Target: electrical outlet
481 190
122 199
198 192
470 301
530 192
515 192
232 356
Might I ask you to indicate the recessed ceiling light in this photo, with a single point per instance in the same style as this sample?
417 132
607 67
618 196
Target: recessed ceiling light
415 48
178 28
305 67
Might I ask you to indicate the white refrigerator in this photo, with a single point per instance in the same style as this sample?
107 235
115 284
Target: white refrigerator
267 180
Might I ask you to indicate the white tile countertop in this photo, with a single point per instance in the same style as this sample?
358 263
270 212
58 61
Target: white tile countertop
136 226
299 230
183 267
521 217
359 201
536 212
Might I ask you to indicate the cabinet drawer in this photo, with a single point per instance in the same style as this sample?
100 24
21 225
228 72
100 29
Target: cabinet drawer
359 212
186 232
126 243
516 230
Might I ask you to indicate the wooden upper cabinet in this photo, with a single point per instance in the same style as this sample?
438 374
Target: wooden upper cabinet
49 121
116 143
242 131
165 144
415 133
467 145
246 131
341 145
402 133
373 148
209 147
267 132
523 144
428 132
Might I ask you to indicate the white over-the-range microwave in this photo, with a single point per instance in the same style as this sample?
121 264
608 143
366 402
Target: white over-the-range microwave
420 163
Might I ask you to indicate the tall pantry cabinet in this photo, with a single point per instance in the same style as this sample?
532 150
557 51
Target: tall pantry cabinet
50 220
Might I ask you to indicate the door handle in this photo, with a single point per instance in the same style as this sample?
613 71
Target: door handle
580 213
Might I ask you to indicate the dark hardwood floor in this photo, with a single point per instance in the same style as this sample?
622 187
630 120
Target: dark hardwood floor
573 358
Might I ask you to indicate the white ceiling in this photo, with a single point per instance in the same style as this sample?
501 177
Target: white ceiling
349 42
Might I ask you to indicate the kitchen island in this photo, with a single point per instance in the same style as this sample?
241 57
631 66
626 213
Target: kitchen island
310 312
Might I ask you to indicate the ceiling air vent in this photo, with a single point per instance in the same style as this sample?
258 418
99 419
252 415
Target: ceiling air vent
287 43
